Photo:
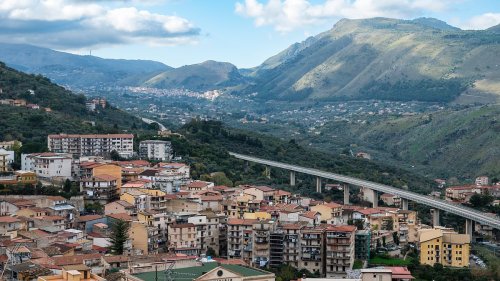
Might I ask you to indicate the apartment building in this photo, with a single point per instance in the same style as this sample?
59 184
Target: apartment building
444 246
48 165
261 232
330 212
102 189
362 243
208 231
239 238
92 145
311 249
144 237
291 244
339 250
182 239
155 150
168 178
6 159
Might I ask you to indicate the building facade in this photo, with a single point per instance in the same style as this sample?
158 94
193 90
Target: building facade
155 150
92 145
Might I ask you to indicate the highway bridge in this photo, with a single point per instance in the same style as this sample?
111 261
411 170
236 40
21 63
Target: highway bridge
468 213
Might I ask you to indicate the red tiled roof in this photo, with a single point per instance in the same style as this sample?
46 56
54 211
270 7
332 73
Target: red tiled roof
198 184
182 225
121 216
7 219
76 259
89 218
333 205
310 214
341 228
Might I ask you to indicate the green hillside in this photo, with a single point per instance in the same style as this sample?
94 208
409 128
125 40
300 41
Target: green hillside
78 71
208 75
68 115
423 59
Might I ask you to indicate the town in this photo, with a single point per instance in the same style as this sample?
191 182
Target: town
128 214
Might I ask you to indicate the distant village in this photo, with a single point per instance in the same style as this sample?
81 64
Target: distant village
197 230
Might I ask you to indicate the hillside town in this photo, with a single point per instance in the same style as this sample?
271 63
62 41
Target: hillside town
197 229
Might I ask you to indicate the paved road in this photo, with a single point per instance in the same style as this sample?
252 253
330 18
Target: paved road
149 121
459 210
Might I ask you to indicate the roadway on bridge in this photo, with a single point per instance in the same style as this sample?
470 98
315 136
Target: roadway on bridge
443 205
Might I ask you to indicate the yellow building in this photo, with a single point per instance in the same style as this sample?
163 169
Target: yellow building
144 237
257 216
111 170
444 246
330 212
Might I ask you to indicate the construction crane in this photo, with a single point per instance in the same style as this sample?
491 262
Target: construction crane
10 258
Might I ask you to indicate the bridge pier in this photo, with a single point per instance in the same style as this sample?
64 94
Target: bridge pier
246 166
469 229
267 172
346 194
318 184
375 199
435 217
404 204
292 178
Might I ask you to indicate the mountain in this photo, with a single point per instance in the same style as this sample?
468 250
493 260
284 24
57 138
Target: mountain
68 113
423 59
78 71
208 75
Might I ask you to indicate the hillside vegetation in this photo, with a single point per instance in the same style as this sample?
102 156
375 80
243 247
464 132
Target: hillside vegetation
78 71
423 59
209 75
68 112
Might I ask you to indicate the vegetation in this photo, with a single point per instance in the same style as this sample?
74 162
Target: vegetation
68 112
118 237
388 261
288 272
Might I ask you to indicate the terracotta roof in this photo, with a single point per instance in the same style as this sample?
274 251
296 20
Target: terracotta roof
7 219
198 184
52 218
333 205
89 218
233 221
111 259
121 216
123 203
263 188
341 228
102 177
310 214
369 211
211 198
280 192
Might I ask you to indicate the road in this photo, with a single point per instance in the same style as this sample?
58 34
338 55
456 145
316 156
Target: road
443 205
149 121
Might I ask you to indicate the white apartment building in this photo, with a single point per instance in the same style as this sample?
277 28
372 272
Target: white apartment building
156 150
92 145
48 165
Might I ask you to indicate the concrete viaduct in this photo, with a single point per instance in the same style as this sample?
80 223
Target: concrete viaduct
469 214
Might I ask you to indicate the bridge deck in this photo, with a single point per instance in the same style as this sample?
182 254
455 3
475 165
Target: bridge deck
459 210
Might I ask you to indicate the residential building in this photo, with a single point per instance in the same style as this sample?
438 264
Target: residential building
261 231
92 145
19 177
120 207
92 169
8 225
73 273
144 237
444 246
339 250
331 213
261 192
362 242
6 159
136 198
312 249
102 189
461 193
239 238
48 165
10 145
208 231
155 150
292 244
182 239
483 180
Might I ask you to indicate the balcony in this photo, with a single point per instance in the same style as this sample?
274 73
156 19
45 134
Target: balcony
261 241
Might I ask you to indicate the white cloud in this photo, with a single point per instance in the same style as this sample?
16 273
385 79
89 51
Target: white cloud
286 15
482 21
79 24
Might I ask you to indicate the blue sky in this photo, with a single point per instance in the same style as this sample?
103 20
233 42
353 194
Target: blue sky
180 32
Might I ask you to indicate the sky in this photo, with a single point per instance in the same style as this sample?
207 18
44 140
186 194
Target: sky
181 32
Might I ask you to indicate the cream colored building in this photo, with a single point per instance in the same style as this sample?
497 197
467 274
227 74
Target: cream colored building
182 239
444 246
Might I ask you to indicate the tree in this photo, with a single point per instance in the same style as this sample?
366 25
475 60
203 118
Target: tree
395 237
119 235
211 252
115 156
67 186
